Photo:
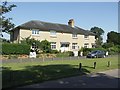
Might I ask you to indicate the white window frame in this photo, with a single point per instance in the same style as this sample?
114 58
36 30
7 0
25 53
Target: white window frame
86 45
74 45
53 33
53 45
86 36
35 32
93 45
74 35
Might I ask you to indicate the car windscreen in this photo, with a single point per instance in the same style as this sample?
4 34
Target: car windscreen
94 52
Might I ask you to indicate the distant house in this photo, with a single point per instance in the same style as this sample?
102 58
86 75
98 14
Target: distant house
62 37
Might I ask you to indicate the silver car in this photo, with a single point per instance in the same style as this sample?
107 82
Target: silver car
96 54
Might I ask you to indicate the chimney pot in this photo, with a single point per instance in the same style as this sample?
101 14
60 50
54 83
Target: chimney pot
71 22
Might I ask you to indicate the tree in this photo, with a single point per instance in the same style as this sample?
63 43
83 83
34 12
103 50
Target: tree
98 35
32 42
113 37
5 23
107 45
45 46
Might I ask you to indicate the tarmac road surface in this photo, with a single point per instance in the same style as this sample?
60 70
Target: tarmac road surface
106 79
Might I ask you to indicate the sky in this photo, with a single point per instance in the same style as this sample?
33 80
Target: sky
85 14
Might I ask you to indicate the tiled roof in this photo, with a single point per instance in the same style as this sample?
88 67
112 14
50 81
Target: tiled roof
47 26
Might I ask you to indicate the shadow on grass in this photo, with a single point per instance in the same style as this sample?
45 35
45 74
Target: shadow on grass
98 80
88 67
35 74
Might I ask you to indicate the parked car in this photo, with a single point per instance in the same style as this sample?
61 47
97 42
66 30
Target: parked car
96 54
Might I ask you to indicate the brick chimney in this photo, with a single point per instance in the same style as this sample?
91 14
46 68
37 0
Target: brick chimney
71 22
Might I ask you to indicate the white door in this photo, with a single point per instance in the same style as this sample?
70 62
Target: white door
75 53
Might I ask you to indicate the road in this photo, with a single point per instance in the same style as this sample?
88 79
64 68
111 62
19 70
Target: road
106 79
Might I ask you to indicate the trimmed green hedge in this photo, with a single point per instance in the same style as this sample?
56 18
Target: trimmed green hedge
9 48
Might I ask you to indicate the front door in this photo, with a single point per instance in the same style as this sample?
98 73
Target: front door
64 47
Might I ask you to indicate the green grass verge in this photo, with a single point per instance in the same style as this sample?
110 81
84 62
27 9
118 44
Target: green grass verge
16 74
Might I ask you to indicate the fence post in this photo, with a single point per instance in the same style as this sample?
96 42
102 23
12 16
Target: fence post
62 58
43 59
20 60
52 58
80 66
94 65
108 63
31 59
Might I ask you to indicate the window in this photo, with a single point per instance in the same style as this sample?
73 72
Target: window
93 45
74 46
52 33
53 45
74 35
86 36
86 45
35 32
64 45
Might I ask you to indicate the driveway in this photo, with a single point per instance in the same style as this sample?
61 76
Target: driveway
106 79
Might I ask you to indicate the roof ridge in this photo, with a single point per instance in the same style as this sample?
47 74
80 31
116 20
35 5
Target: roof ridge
47 22
37 24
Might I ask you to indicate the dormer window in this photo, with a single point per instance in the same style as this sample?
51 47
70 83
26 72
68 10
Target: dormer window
86 45
53 33
35 31
74 35
86 36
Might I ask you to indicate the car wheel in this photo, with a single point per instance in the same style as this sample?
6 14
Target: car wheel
95 56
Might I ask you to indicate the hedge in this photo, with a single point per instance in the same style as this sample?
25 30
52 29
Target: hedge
8 48
87 50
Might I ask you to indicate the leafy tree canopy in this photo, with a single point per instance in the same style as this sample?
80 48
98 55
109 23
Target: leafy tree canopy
5 23
45 46
113 37
98 32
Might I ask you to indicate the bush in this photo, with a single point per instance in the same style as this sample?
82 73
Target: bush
114 50
45 46
71 53
54 51
87 50
93 49
9 48
63 54
107 45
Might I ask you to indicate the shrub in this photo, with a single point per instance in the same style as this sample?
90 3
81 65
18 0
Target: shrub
63 54
45 46
107 45
87 50
71 53
114 50
93 49
54 51
9 48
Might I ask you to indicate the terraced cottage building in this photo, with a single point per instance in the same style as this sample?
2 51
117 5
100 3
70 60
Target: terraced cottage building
62 37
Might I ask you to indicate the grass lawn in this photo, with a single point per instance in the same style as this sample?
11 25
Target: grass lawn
17 74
